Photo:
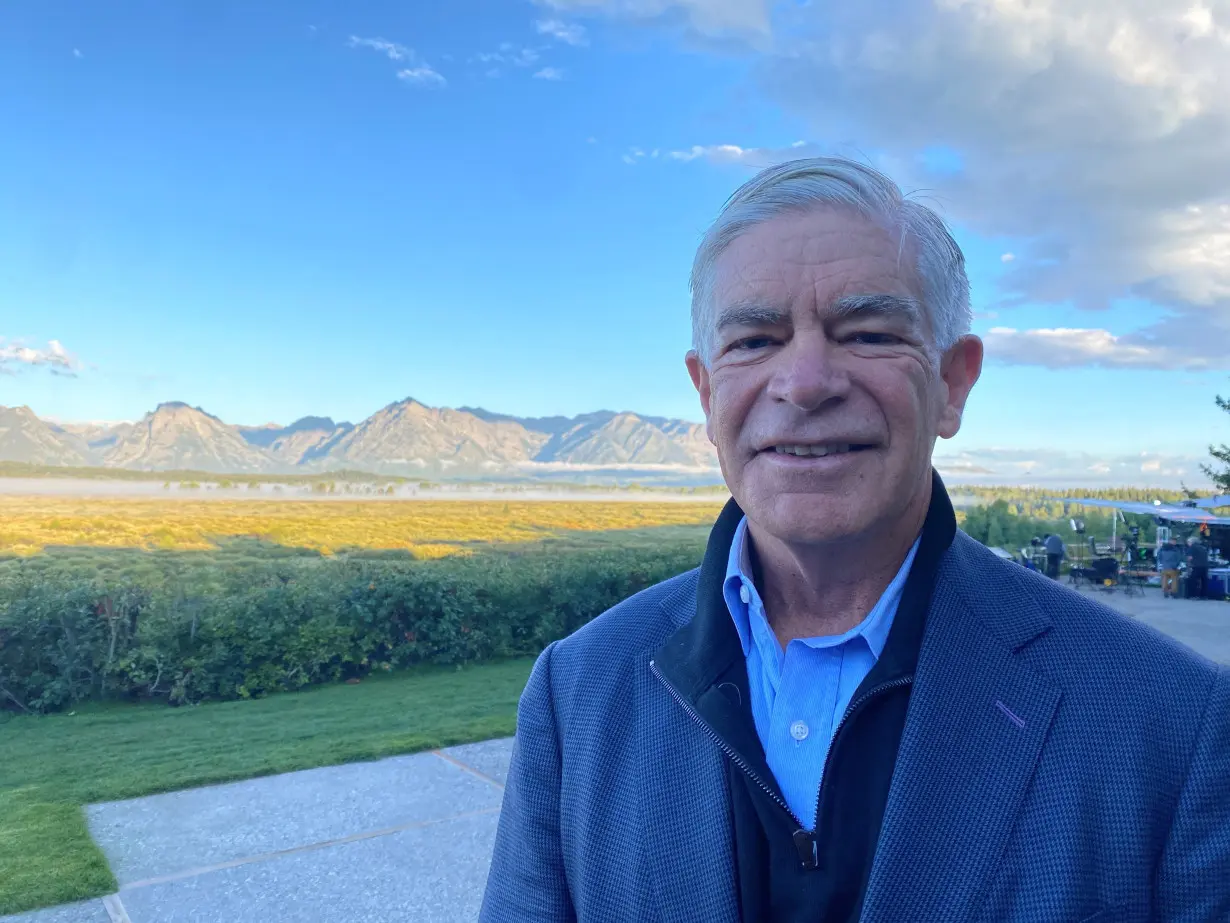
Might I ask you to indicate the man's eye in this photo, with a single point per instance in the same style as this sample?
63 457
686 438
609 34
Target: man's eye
874 339
749 343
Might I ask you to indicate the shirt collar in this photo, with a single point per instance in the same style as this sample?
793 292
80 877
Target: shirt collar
738 575
873 629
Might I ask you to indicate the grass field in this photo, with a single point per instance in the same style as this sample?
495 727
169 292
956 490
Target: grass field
425 528
51 766
54 765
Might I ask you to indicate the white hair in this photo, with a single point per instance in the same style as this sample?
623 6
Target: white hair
800 185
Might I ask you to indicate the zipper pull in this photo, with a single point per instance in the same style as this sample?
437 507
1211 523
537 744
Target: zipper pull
808 849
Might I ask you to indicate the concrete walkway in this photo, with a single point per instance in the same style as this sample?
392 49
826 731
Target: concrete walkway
1201 624
407 838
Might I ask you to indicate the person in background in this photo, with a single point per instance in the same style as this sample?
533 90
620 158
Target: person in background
1169 557
1055 552
1198 558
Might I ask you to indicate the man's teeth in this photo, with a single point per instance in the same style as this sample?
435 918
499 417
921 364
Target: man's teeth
816 450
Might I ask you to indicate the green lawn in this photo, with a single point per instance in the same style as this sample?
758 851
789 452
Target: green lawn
51 766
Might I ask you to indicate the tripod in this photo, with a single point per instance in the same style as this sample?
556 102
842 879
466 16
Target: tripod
1131 585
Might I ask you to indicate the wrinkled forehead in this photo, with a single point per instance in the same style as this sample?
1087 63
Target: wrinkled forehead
813 261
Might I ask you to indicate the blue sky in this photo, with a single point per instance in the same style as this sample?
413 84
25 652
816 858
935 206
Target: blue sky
243 207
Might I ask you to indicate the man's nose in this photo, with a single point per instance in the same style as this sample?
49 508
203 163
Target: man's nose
809 372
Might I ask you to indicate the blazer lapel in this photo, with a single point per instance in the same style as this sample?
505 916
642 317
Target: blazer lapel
977 722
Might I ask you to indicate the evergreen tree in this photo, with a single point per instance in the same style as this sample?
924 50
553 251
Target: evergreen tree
1222 454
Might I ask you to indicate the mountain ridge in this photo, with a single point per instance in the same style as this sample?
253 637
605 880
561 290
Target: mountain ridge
405 437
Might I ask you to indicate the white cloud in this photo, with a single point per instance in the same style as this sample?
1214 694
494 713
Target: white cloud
1064 347
749 156
54 357
569 33
1007 257
747 18
508 54
392 50
730 153
422 74
418 72
550 73
1095 134
1057 468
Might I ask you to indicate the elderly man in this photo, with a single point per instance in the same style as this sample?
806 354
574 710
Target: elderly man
852 710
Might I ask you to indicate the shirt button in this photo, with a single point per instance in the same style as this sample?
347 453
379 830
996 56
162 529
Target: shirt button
798 730
745 594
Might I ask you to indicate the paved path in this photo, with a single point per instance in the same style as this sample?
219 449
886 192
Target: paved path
1202 624
405 838
401 839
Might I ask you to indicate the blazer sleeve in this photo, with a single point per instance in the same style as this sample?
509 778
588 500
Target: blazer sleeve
527 882
1193 875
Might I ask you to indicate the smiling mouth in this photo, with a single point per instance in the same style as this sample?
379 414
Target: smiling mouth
819 451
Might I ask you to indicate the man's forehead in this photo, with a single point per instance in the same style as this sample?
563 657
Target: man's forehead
815 257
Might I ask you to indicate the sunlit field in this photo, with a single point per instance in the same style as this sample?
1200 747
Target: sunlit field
425 528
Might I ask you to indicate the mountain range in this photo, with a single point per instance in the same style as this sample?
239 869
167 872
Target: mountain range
403 438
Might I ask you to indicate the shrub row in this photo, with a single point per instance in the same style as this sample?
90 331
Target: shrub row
66 638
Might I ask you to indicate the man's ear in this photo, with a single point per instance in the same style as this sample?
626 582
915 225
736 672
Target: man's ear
959 369
700 379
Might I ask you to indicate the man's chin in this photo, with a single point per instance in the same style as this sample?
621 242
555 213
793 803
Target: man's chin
816 517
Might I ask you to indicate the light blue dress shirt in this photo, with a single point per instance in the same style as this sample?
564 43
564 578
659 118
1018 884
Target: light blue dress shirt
799 694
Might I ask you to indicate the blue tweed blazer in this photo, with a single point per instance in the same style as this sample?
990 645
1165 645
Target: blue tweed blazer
1098 793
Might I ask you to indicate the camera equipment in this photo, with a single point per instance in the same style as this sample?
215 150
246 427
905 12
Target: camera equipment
1130 582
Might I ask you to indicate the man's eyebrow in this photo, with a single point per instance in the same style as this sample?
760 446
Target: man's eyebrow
752 314
878 305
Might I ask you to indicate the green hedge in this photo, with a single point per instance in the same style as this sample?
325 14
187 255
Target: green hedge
68 637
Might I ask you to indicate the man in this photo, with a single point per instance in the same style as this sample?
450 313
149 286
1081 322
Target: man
852 710
1198 576
1168 560
1054 555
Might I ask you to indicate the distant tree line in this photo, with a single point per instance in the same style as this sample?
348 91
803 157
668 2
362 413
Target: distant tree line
1011 525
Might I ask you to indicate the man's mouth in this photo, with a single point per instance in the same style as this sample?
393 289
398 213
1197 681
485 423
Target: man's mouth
819 450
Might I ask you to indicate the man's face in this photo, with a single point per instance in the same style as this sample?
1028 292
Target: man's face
820 394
